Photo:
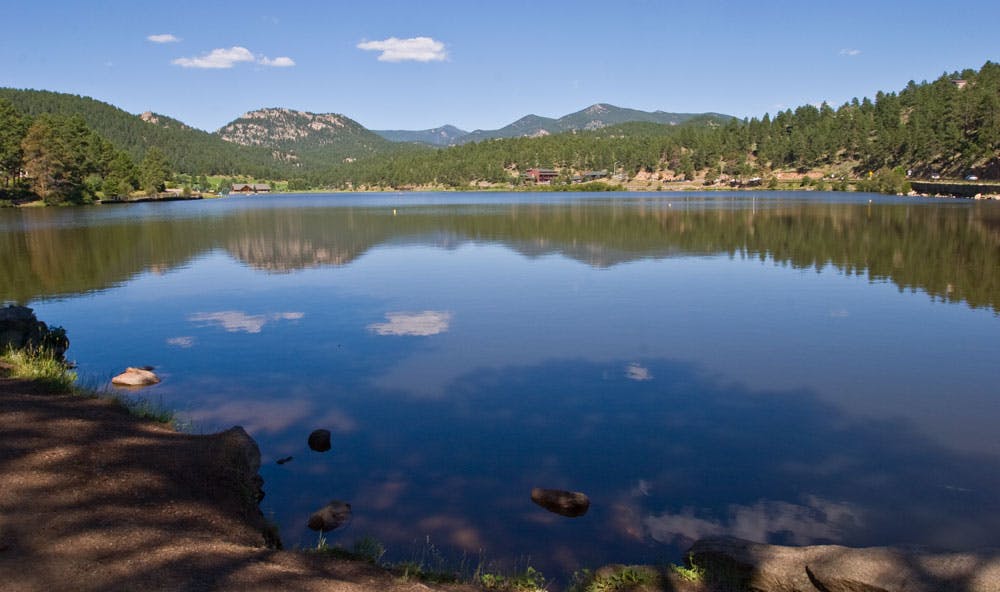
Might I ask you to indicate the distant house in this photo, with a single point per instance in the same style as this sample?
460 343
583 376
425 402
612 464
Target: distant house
594 175
541 175
250 188
959 83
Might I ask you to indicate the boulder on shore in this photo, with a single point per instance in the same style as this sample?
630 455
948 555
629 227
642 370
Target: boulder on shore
21 329
319 440
135 377
331 516
833 568
565 503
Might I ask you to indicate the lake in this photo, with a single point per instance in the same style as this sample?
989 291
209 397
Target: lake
786 367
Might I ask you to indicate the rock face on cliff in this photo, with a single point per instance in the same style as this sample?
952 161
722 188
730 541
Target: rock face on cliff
832 568
21 329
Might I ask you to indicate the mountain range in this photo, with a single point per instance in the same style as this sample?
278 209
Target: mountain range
594 117
265 141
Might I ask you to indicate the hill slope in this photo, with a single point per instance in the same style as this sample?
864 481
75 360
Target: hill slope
300 136
445 135
188 149
594 117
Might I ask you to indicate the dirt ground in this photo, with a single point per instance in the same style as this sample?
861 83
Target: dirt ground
92 498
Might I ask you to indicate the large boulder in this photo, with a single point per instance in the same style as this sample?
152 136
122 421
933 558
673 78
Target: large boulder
331 516
319 440
21 329
833 568
135 377
564 503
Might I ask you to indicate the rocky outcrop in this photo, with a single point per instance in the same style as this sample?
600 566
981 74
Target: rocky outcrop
331 516
136 377
21 329
833 568
565 503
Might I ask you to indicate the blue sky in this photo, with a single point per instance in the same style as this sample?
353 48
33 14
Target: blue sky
484 64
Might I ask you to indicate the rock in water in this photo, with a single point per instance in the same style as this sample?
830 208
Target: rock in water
564 503
319 440
135 377
333 515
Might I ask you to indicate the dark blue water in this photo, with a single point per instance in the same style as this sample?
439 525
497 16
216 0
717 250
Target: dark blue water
791 368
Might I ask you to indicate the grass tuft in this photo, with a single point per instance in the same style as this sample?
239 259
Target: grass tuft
690 574
616 579
41 366
530 580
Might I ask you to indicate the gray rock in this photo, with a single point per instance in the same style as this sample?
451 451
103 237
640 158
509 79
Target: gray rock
331 516
564 503
833 568
20 329
135 377
319 440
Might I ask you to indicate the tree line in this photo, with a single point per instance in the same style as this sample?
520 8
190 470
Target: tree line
59 159
66 148
950 127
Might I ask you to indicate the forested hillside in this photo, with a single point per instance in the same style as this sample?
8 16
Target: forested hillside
58 158
187 149
948 127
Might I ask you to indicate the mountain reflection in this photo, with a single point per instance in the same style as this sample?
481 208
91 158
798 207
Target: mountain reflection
950 250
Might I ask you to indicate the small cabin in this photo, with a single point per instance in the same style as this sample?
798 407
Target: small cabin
541 175
250 188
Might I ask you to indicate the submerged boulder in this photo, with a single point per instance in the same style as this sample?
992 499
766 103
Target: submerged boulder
565 503
319 440
135 377
331 516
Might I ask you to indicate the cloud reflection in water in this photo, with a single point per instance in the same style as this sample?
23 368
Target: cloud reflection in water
235 321
815 521
428 322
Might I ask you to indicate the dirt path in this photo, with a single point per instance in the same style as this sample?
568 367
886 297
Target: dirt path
92 498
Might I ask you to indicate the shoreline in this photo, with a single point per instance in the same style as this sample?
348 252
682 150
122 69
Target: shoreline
96 498
974 192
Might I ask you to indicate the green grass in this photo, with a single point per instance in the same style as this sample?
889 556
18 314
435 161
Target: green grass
55 375
621 579
143 408
40 366
690 574
530 580
367 549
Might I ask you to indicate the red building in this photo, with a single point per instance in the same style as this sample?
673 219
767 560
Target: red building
542 175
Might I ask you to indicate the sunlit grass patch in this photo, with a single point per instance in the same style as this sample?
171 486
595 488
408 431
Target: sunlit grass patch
40 366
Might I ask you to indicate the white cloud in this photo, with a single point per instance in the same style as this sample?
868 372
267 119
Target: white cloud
850 52
182 341
281 62
218 58
227 58
163 38
428 322
417 49
235 321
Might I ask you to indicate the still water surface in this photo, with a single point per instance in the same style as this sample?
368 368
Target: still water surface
790 368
